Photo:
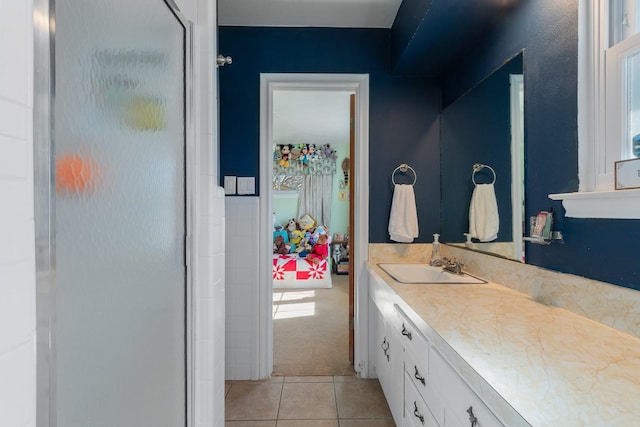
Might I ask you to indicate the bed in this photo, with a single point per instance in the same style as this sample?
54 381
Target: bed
293 272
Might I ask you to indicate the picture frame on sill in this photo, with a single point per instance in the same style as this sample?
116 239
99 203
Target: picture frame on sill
627 174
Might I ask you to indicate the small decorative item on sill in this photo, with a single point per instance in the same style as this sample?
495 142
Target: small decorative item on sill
627 174
541 229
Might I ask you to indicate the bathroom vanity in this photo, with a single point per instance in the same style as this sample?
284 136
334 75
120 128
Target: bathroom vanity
486 355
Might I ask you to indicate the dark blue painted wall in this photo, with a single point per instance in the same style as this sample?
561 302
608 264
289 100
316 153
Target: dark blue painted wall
403 111
548 31
476 128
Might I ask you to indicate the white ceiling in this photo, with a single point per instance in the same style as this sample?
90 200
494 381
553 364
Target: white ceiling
302 117
308 13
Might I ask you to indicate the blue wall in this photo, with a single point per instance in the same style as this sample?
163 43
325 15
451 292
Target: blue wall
403 110
548 31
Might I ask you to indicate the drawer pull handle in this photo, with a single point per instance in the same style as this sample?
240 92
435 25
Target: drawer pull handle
417 413
472 418
406 333
385 347
418 376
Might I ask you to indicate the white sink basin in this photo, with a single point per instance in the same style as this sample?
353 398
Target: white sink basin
424 273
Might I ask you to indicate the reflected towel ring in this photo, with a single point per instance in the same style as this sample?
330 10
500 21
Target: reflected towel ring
404 168
479 166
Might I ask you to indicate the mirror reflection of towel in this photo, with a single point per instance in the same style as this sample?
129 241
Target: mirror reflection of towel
483 213
403 220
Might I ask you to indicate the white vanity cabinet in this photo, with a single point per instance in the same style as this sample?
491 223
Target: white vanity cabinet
421 386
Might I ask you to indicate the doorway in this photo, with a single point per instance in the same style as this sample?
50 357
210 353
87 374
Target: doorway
358 85
310 200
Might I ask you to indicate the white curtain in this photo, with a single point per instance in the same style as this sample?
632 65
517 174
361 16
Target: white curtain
315 198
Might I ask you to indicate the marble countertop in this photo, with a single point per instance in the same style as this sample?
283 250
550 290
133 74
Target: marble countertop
553 367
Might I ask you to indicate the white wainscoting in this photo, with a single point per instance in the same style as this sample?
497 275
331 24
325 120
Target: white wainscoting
242 287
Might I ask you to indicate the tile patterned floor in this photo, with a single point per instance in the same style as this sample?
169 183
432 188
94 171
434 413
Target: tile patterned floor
312 401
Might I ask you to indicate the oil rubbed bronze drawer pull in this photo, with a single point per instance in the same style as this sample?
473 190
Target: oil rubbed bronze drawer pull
472 418
417 413
418 376
406 333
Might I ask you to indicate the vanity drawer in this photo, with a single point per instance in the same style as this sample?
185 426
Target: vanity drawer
417 370
413 341
459 401
416 411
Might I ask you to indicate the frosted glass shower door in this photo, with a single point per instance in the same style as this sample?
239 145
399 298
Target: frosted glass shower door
119 146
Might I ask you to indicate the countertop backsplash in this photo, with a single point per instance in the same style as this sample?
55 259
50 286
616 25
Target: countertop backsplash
610 305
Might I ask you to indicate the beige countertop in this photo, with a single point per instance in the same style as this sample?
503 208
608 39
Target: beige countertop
551 366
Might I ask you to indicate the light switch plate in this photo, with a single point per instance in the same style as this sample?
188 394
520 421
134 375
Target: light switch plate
246 185
229 185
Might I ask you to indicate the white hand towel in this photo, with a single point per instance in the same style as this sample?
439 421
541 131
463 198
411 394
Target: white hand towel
403 220
483 213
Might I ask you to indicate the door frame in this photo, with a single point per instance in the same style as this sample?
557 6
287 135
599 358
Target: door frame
45 212
358 84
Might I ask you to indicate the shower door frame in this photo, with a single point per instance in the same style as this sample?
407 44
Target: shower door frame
45 212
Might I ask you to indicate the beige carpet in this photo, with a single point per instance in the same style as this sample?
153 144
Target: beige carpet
310 330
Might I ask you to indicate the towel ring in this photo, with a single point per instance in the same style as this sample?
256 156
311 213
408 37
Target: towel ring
479 166
404 168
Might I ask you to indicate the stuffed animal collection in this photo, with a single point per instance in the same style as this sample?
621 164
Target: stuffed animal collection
300 155
301 238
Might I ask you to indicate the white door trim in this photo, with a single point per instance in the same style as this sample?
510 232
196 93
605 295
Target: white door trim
358 83
516 82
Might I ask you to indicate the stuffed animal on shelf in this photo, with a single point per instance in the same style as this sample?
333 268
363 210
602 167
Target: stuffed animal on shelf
285 153
303 159
320 250
328 152
295 153
313 154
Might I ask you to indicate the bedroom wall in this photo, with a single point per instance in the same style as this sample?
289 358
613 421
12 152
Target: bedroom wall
285 205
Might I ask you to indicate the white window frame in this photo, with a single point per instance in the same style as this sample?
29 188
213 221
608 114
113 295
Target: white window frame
597 150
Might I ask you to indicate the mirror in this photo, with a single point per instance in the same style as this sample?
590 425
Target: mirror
485 126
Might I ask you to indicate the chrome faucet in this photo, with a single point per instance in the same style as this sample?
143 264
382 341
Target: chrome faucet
452 265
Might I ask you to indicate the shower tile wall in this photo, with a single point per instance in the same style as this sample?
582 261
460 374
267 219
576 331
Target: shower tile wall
17 265
242 251
210 306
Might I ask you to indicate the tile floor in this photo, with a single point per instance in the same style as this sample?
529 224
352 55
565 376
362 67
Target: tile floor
311 401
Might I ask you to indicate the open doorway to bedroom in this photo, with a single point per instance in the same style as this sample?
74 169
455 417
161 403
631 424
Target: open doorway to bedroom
312 137
358 197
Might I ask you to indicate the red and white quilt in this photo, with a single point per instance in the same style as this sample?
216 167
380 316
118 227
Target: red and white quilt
291 271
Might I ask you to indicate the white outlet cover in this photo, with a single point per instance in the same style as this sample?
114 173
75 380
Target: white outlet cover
246 185
229 185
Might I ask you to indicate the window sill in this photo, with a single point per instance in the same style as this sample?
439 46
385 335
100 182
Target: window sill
613 204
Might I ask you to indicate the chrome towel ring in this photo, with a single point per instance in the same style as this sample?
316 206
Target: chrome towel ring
404 168
479 166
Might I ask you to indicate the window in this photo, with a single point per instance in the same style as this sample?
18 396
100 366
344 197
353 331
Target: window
608 107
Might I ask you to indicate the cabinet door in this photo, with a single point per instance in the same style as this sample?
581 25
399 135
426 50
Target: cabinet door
389 364
462 407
